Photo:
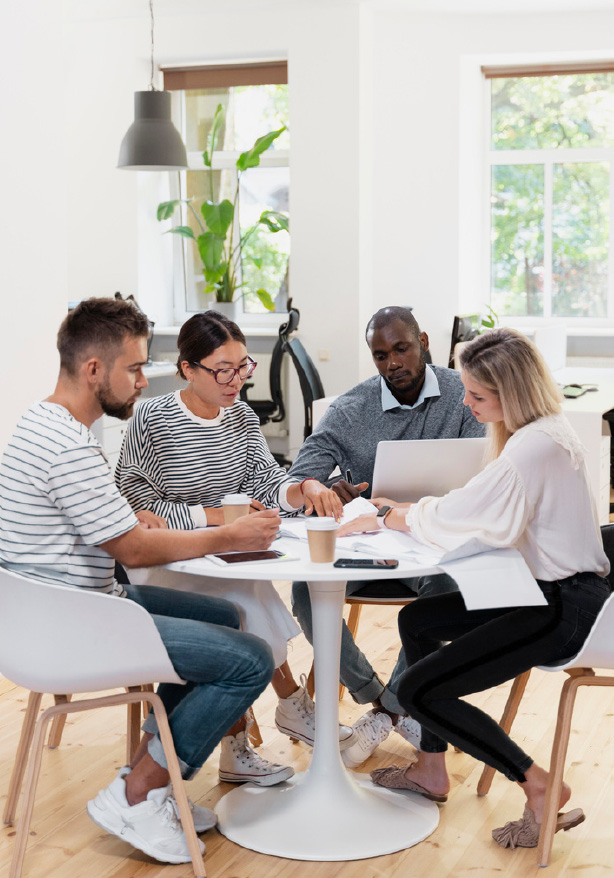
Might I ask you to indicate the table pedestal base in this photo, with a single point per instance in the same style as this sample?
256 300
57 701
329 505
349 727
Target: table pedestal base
305 819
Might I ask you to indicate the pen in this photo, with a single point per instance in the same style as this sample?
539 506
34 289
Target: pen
348 477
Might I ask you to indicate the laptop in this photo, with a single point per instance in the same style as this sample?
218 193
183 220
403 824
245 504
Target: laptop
406 470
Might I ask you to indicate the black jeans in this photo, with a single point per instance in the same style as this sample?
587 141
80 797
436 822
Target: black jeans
487 647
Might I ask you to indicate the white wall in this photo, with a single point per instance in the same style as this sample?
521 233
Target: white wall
32 220
379 206
428 111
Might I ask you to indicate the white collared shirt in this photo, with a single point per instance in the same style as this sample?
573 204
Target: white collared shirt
429 388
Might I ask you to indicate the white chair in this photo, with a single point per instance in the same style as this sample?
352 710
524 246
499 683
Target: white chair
60 640
597 652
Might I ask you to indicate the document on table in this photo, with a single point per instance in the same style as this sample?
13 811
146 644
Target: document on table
487 578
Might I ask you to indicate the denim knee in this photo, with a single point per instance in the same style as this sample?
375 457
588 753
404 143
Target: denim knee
260 656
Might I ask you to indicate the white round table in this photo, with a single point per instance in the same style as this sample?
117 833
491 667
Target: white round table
326 813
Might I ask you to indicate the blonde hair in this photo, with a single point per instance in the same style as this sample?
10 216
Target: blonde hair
507 363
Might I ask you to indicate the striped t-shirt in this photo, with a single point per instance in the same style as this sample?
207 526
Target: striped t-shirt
58 502
174 463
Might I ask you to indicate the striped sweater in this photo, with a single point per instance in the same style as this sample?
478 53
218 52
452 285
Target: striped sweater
174 463
58 502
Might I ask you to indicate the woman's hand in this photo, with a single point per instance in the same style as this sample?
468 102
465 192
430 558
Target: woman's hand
386 501
150 521
364 524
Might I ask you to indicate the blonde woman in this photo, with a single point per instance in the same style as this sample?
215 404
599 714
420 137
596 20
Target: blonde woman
534 496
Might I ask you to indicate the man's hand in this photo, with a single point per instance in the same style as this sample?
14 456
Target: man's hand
347 492
321 499
253 532
256 506
150 521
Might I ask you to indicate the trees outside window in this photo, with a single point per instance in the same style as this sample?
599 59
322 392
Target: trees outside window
551 195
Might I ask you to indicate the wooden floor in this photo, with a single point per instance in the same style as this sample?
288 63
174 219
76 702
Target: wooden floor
64 843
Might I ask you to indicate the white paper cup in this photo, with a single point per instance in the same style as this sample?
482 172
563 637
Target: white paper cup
322 535
235 506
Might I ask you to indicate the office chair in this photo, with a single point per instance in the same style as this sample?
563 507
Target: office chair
463 329
597 652
273 410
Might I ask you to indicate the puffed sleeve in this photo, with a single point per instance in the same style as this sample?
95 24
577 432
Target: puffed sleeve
493 508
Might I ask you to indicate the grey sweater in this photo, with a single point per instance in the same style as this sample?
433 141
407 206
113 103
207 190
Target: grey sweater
348 434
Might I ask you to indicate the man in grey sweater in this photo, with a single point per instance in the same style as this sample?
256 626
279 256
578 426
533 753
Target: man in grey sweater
408 399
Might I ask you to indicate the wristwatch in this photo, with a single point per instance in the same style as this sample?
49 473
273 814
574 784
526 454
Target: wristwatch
382 512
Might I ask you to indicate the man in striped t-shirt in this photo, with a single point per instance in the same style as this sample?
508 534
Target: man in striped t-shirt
63 521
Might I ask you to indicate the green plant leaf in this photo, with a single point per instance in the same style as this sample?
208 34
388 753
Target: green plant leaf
266 299
184 231
218 121
257 261
251 158
218 216
211 249
274 221
166 209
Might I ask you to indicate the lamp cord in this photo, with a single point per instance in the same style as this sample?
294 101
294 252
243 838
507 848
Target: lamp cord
151 84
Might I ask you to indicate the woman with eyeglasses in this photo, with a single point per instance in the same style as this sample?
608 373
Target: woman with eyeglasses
181 454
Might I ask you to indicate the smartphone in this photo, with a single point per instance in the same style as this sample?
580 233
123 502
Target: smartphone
366 563
249 557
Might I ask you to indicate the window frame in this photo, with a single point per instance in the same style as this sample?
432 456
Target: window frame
221 160
548 158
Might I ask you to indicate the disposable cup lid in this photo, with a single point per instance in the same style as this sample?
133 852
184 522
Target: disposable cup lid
235 499
321 524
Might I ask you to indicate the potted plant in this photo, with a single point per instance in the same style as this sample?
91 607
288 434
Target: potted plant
220 242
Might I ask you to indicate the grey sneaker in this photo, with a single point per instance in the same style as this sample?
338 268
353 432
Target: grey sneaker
295 716
151 826
409 729
203 818
240 764
369 732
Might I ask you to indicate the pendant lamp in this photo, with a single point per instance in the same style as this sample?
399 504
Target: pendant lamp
152 143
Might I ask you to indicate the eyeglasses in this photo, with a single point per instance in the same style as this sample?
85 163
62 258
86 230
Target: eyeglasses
225 376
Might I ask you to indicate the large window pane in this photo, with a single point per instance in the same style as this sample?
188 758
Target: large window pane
265 255
250 111
549 112
517 239
580 232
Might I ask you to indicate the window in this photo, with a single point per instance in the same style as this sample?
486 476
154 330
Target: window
551 158
255 101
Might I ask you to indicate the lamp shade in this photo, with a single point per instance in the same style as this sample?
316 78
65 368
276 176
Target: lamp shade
152 143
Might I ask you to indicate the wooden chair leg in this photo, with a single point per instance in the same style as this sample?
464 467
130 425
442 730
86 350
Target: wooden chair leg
352 623
21 759
253 729
57 726
23 828
133 730
577 678
148 687
178 786
509 714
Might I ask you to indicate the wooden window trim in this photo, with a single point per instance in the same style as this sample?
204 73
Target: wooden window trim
558 69
274 72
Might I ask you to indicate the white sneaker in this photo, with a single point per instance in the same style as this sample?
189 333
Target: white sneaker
369 732
410 729
295 716
239 764
151 826
203 818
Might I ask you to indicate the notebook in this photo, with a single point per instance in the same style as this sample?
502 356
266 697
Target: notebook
409 469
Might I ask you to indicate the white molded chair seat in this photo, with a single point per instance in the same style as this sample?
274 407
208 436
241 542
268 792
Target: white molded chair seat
61 640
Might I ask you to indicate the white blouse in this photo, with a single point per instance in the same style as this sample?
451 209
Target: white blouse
534 497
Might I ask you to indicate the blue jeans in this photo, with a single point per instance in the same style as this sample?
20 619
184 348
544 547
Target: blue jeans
356 672
225 669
